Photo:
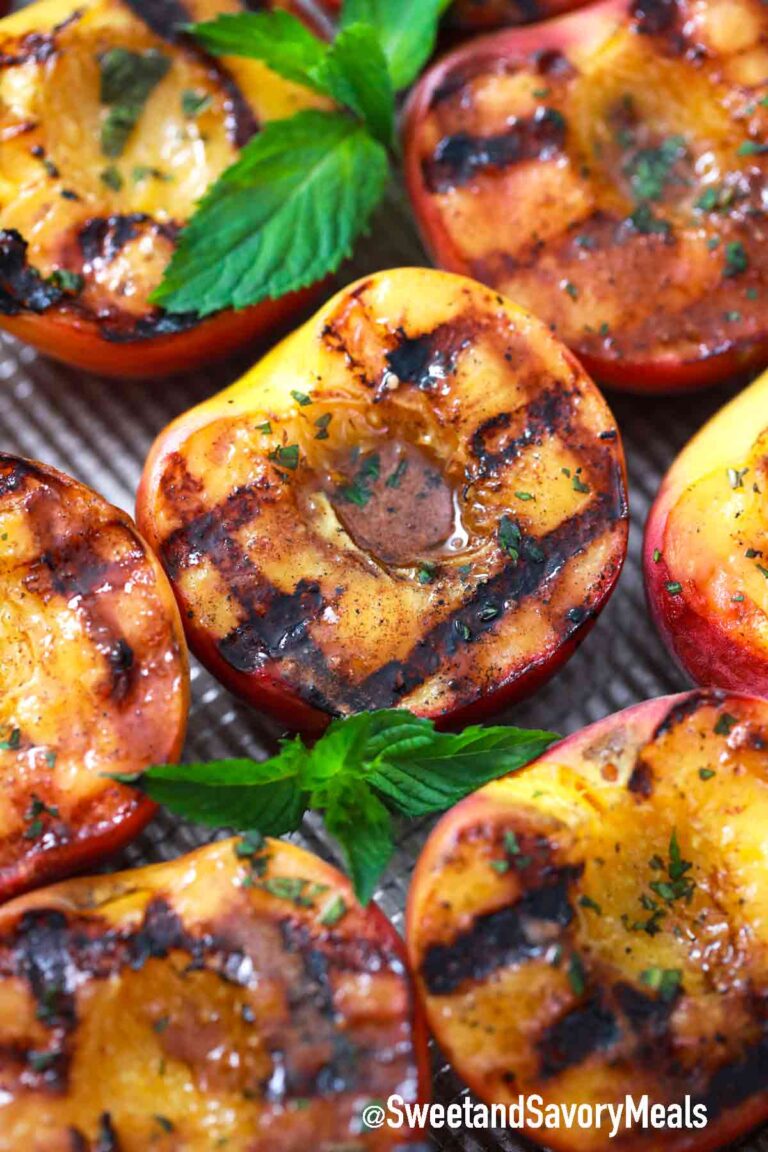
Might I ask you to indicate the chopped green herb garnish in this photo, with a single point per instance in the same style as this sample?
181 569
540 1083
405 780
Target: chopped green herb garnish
511 844
111 177
332 912
592 905
571 289
41 1061
576 977
265 428
321 424
579 485
656 555
644 221
12 742
715 199
736 477
666 981
674 587
395 477
725 723
71 282
706 773
426 574
286 888
525 496
249 844
127 79
193 103
751 148
736 259
301 398
286 455
147 172
650 169
510 538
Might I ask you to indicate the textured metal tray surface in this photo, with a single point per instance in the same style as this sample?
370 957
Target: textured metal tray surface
100 431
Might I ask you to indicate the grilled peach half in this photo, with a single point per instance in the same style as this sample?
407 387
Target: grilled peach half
705 554
416 500
93 674
594 926
606 170
95 185
235 998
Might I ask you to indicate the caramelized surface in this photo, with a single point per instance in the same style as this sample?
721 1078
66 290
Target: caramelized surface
595 925
93 675
416 500
111 221
608 172
236 998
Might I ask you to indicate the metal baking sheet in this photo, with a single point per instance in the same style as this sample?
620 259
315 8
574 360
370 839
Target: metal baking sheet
100 431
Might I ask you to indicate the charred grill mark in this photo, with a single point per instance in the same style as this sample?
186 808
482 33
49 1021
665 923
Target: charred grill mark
653 17
550 413
72 568
580 1033
161 933
76 571
104 237
427 360
37 47
682 711
641 780
148 327
276 624
13 474
42 960
21 286
258 637
107 1140
165 18
734 1083
508 936
646 1015
459 158
54 954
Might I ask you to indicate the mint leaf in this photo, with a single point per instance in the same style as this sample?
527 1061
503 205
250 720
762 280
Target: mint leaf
432 776
355 73
363 828
282 217
407 30
363 767
243 794
278 38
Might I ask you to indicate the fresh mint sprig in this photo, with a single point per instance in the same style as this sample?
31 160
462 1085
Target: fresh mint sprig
288 211
364 769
